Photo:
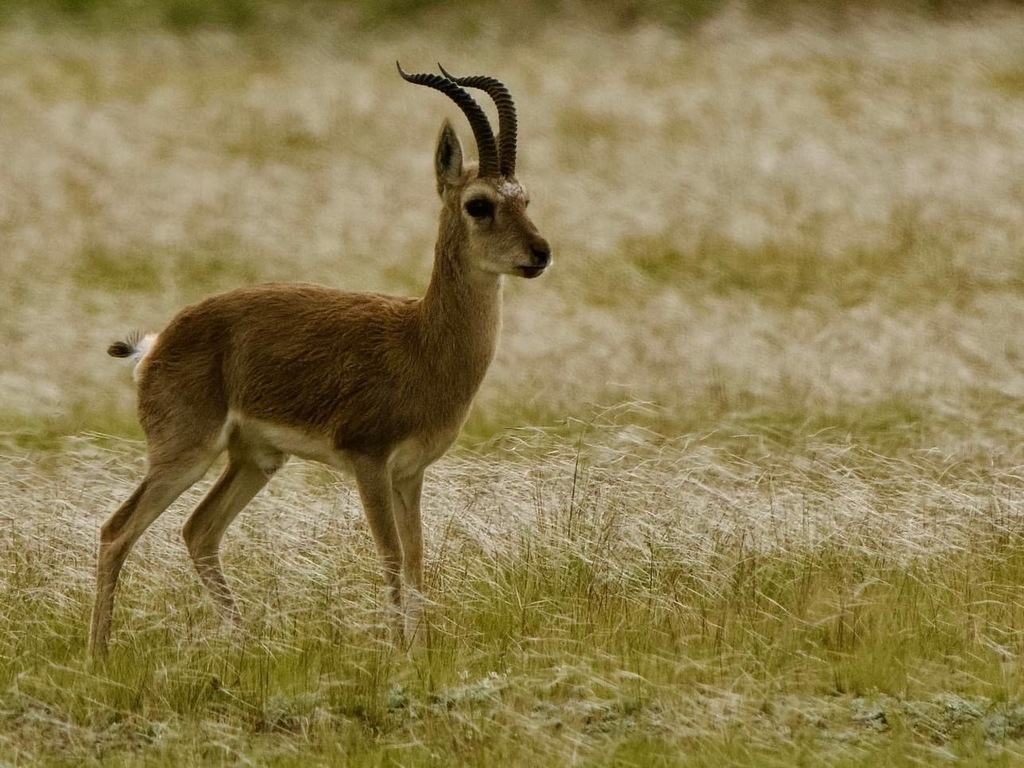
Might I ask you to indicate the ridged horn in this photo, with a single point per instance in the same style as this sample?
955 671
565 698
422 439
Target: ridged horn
506 115
487 147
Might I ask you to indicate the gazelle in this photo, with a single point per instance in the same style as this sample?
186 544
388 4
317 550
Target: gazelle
376 385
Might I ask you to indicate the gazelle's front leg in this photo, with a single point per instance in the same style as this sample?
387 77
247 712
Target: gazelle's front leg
406 501
374 481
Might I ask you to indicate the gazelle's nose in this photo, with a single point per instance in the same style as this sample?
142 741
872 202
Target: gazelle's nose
540 258
540 254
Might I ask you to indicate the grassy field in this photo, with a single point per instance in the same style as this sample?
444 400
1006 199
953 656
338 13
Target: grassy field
744 486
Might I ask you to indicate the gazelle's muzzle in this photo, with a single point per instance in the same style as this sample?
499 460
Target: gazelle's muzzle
540 259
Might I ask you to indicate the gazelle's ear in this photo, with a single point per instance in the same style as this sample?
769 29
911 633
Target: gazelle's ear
447 158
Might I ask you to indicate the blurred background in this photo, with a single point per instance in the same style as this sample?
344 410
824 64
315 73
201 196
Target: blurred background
774 219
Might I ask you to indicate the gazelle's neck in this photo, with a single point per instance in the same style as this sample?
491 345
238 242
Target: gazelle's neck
461 318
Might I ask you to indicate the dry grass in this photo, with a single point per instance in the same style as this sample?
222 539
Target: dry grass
743 486
626 600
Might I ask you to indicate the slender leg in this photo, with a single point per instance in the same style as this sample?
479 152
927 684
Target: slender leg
406 496
203 531
164 482
374 482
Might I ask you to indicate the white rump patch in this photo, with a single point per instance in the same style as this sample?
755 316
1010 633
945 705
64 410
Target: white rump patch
141 349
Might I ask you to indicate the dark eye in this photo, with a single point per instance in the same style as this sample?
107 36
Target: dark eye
480 208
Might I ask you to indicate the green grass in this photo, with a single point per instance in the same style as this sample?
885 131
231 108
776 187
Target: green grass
186 16
916 268
579 633
50 434
1009 81
192 272
129 272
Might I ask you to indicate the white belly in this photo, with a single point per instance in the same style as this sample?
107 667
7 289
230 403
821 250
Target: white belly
269 443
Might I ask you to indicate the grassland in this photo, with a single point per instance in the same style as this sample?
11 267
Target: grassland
745 485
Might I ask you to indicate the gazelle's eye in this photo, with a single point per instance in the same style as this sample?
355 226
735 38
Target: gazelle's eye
480 208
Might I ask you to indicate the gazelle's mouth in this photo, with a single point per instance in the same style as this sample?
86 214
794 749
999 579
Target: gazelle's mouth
531 272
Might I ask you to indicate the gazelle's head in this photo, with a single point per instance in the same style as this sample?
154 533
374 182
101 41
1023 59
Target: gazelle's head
484 205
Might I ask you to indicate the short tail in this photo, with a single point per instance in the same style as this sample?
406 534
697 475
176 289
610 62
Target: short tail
134 349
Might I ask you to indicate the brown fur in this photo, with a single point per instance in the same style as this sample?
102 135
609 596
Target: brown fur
375 384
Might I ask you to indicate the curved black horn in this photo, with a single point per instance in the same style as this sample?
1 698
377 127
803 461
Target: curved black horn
486 146
506 115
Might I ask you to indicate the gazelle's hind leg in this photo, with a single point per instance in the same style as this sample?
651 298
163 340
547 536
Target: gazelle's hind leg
243 478
169 475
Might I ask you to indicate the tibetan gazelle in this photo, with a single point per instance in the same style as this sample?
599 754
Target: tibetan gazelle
376 385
